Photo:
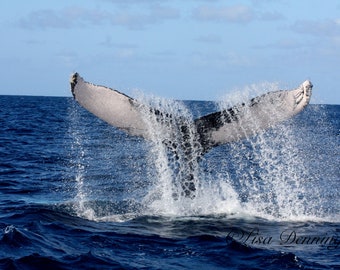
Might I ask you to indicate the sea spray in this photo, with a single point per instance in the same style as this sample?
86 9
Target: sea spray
78 161
180 186
265 175
271 173
174 151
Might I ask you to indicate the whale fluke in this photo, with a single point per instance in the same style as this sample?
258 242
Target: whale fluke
198 136
115 108
229 125
258 114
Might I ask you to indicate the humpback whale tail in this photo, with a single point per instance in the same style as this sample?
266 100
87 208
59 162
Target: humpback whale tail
248 118
211 130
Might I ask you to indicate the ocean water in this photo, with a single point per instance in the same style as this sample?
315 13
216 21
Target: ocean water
76 193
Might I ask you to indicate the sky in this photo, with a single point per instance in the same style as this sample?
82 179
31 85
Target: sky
178 49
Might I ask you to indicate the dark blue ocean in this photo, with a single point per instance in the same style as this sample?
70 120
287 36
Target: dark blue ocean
76 193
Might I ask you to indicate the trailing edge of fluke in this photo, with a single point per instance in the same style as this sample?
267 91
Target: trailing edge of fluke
238 122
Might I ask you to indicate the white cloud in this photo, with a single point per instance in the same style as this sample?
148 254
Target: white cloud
336 40
124 53
133 2
236 14
156 14
221 60
271 16
77 17
285 44
317 28
64 18
67 58
107 42
210 38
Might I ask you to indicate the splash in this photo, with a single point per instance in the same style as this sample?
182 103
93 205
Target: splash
180 186
265 175
259 164
269 171
174 150
78 162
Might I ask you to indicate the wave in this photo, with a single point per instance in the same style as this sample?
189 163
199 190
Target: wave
56 236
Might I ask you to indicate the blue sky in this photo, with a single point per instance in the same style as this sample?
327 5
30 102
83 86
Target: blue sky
178 49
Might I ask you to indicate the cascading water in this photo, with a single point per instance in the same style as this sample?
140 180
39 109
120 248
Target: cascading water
270 178
180 186
175 153
270 173
78 161
264 175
